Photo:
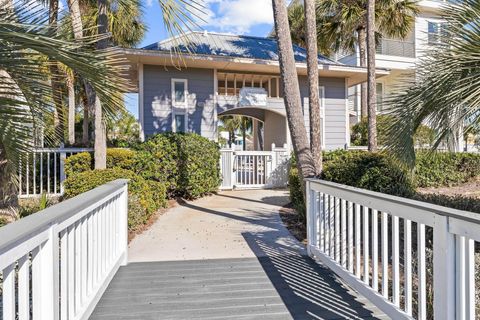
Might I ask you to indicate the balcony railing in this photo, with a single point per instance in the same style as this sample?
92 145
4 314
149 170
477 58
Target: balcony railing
396 48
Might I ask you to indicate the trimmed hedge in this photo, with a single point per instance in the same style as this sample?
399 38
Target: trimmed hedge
116 158
144 197
366 170
445 168
78 163
378 172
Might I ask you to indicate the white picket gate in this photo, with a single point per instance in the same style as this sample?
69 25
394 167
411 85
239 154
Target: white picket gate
43 171
56 264
254 169
395 251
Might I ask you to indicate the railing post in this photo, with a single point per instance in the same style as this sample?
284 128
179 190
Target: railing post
63 157
124 224
49 279
309 216
443 270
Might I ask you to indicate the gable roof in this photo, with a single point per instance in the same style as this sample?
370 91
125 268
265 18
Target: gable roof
228 45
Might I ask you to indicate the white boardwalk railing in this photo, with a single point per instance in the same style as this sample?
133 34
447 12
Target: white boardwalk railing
43 171
254 169
56 264
383 245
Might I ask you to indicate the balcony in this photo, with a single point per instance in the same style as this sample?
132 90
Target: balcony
396 48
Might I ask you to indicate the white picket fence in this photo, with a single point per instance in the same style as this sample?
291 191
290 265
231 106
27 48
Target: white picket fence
254 169
43 171
383 245
56 264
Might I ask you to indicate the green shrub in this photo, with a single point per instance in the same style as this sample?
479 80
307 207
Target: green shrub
156 160
296 194
445 168
3 222
366 170
186 162
198 165
78 163
456 202
141 193
120 158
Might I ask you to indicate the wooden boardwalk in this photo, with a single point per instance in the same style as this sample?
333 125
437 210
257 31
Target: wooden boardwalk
262 273
281 287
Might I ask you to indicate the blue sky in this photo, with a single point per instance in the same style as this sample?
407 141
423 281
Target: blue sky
249 17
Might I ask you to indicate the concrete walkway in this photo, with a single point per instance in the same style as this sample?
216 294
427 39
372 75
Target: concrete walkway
226 256
216 227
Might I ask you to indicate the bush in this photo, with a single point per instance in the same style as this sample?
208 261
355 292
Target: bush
456 202
116 158
78 163
120 158
186 162
198 165
141 193
296 194
366 170
156 160
445 168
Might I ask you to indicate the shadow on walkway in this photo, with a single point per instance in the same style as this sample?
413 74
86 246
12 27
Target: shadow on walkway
309 290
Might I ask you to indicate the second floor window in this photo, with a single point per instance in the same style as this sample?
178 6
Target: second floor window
436 32
179 92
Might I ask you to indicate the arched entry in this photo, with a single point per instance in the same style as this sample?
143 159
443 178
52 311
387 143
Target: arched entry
266 168
275 129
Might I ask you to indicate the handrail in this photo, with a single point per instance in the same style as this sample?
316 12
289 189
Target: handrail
368 237
42 220
56 263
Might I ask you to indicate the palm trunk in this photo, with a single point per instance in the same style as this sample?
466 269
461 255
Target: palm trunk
362 48
293 106
313 97
55 81
244 138
85 137
372 94
71 110
100 148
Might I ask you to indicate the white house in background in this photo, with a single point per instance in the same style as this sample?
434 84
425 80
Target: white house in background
399 56
224 74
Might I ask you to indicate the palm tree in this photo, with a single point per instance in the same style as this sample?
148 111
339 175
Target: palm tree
293 106
313 96
341 26
28 43
445 94
231 124
371 89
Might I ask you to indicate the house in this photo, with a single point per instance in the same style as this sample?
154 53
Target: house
224 74
399 56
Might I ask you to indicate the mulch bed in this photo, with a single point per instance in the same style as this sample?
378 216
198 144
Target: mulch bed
291 220
470 189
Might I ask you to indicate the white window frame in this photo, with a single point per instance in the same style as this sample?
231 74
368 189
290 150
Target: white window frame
183 113
185 93
382 95
439 34
321 94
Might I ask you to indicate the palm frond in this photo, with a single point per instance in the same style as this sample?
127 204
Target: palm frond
446 94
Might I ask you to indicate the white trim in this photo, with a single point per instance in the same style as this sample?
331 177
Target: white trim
347 116
215 111
185 93
141 116
321 93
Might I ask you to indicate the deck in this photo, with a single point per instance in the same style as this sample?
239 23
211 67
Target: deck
261 273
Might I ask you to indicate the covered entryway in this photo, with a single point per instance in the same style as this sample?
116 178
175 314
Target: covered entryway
266 166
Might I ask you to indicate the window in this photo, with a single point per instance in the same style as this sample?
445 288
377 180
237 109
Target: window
180 122
436 32
179 92
321 97
379 96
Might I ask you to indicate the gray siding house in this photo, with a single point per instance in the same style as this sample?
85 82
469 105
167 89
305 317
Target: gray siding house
186 83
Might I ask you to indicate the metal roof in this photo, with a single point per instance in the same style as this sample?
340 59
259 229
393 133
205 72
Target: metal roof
228 45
